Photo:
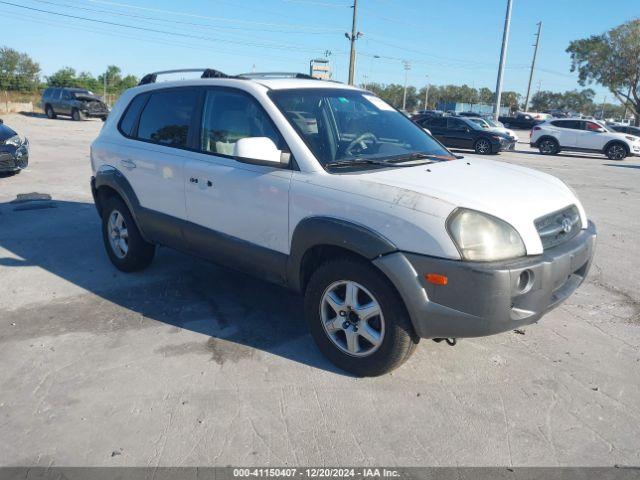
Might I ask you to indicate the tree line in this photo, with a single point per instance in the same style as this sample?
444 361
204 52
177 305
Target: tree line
20 73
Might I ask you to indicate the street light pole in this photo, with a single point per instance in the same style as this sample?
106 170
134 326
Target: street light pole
407 67
352 38
503 59
533 66
426 94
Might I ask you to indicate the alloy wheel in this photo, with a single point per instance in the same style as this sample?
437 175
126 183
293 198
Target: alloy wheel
547 147
483 146
118 234
616 152
352 318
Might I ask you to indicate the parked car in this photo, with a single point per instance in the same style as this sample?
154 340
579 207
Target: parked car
462 132
580 135
77 103
389 236
14 150
494 126
521 120
635 131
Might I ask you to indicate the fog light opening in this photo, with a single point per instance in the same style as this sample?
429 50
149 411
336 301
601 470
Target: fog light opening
525 281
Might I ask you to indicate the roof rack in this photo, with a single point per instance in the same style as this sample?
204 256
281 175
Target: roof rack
206 73
267 75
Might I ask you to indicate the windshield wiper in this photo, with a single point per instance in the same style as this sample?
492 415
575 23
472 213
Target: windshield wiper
357 161
415 156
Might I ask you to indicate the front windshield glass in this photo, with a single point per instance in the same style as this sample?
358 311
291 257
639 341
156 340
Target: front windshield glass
480 121
350 126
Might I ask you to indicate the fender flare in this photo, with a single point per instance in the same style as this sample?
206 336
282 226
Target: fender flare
329 231
112 177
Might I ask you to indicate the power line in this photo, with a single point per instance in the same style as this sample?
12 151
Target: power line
179 22
153 30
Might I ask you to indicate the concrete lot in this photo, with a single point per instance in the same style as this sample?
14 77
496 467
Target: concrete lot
190 364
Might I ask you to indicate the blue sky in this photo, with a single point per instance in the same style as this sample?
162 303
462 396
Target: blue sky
451 41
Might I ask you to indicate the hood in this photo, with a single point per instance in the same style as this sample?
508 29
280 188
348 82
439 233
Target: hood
5 132
503 130
88 97
514 194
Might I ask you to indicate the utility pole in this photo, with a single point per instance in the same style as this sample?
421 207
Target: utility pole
407 67
503 59
352 38
104 96
426 94
602 108
533 66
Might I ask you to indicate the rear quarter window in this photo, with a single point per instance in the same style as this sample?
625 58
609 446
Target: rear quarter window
129 120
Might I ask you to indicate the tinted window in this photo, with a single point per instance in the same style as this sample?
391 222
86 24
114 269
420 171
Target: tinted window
440 122
47 93
167 116
572 124
129 119
66 95
228 116
456 124
55 95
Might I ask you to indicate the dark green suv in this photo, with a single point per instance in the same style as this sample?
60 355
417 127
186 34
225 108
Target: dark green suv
74 102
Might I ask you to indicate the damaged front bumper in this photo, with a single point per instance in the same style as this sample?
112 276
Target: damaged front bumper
14 158
486 298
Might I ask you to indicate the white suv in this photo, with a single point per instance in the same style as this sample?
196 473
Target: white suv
328 190
581 135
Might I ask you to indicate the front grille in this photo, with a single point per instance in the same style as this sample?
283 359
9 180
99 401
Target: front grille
7 162
558 227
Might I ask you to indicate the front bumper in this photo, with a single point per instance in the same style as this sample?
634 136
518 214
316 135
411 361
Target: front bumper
487 298
13 159
507 145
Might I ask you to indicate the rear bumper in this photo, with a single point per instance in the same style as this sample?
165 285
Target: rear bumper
486 298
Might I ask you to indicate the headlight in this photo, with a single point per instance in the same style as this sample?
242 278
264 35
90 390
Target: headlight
15 141
630 138
482 237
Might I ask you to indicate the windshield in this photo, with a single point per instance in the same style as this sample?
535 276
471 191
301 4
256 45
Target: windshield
493 123
350 126
479 121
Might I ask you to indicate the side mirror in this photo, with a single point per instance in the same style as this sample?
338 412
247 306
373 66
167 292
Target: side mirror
260 151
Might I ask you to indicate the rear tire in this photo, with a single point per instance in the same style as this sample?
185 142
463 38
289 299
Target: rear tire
616 151
49 112
548 146
126 248
482 146
393 339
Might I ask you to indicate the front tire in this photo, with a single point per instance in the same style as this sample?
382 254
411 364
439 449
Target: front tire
126 248
357 318
548 146
616 151
77 115
482 146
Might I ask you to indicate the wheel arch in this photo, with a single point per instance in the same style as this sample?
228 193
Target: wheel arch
317 239
109 182
616 141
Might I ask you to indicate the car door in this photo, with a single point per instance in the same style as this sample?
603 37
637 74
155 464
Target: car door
64 106
56 100
158 128
592 136
437 127
239 210
566 132
459 133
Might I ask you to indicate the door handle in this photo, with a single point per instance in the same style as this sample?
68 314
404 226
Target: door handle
128 163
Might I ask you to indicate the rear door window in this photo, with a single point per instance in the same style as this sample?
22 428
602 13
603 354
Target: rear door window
166 118
571 124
